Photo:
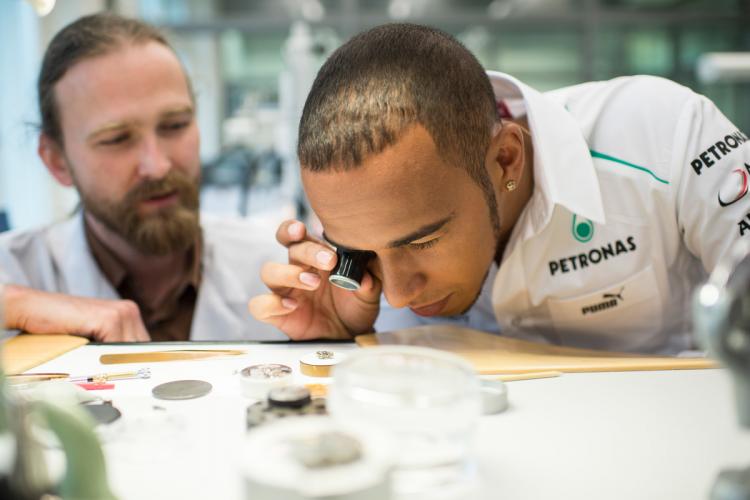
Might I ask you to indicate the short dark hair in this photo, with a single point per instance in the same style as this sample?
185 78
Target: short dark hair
391 77
89 36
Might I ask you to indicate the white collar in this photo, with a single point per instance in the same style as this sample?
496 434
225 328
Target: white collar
564 173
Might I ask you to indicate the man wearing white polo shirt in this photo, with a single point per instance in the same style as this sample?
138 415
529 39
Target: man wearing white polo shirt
581 217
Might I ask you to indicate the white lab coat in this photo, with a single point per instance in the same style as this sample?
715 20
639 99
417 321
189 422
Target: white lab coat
640 188
57 258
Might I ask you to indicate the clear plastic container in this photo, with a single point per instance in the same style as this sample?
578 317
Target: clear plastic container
428 400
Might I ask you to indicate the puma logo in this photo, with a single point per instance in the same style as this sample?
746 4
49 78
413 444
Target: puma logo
617 295
609 300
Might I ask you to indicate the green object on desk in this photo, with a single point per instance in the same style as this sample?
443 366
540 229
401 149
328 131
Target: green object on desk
85 474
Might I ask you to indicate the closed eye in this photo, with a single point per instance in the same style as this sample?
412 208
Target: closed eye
118 139
174 126
423 245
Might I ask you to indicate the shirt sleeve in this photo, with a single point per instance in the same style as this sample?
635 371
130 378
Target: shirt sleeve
711 160
11 269
10 273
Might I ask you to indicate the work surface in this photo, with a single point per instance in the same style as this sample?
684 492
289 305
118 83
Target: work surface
631 435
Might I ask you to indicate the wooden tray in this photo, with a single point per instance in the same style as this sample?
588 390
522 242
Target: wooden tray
25 351
493 354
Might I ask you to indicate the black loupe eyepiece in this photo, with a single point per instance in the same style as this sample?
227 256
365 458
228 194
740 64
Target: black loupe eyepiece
350 268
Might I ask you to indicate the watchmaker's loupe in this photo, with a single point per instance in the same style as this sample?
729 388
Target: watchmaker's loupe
350 267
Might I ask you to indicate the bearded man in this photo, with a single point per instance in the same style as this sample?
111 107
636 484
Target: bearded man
136 262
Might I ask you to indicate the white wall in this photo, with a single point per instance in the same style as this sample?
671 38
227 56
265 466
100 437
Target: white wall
27 192
202 60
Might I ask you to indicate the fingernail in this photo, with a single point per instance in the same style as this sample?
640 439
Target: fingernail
288 303
309 279
324 258
294 229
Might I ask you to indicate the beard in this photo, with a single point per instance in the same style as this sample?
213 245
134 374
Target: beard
160 232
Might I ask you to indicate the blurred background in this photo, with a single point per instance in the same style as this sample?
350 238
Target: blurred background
252 63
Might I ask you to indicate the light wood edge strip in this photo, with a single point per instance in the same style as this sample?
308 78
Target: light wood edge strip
645 365
512 377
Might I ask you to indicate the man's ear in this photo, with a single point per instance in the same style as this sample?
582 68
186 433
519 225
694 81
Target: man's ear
53 157
506 154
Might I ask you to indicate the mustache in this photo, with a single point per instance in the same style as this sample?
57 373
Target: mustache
186 187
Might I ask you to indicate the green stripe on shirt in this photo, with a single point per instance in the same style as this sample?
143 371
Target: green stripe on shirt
597 154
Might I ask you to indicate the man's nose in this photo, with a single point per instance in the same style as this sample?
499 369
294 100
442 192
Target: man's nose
154 161
403 282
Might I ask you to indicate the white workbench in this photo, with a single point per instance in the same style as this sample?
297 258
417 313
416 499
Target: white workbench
636 435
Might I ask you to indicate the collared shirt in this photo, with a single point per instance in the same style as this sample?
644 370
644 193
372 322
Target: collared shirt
57 258
165 320
640 189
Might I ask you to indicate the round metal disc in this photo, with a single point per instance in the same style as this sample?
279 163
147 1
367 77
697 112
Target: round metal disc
181 389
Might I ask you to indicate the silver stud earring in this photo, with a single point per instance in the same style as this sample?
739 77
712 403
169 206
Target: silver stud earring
511 185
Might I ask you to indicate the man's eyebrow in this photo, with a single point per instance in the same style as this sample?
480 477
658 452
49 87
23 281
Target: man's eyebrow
178 111
421 232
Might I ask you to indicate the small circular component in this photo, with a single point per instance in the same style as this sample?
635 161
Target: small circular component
102 413
317 458
267 371
316 365
181 389
326 449
257 380
292 396
494 396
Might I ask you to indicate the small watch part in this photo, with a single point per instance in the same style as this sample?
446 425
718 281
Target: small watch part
266 371
263 412
326 449
102 412
257 380
319 363
291 396
494 396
